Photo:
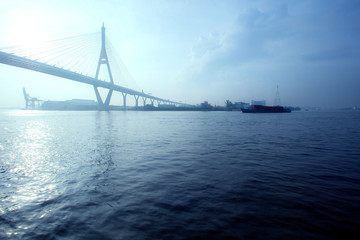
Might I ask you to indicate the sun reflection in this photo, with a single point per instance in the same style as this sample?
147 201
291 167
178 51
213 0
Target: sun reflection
33 165
25 113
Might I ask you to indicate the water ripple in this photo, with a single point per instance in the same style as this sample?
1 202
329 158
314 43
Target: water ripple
179 175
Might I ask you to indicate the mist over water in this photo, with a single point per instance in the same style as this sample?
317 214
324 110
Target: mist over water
179 175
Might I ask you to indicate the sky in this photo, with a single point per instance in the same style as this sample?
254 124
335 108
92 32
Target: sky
199 50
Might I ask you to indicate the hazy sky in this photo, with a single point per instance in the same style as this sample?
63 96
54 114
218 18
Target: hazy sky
192 51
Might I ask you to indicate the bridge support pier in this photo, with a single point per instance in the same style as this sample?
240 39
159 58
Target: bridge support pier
107 101
124 98
98 97
144 100
137 100
102 105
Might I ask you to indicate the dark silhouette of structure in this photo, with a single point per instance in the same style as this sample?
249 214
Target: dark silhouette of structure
34 65
31 103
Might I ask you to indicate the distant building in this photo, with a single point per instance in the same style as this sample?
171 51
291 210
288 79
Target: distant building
239 105
166 105
74 104
262 102
83 102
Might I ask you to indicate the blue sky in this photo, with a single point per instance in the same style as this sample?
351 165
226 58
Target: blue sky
192 51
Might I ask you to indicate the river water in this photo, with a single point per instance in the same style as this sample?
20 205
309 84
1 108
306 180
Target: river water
179 175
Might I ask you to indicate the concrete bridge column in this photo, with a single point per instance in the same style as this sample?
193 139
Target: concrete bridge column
107 101
98 97
144 99
124 97
137 100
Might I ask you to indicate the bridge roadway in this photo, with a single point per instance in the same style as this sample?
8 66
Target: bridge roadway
33 65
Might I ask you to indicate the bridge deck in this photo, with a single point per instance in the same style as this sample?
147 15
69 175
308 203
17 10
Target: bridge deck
33 65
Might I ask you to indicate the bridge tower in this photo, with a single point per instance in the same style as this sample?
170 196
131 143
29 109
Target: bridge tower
103 59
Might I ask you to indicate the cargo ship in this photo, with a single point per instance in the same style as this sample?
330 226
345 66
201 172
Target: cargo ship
265 109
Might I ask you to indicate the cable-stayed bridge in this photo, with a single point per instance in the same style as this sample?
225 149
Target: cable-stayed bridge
78 59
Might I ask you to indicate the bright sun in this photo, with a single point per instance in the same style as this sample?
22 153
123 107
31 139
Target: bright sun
27 32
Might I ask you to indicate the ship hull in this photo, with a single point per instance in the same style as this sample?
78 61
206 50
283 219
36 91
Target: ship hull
265 109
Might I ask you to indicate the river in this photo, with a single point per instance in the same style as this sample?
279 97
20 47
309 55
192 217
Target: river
179 175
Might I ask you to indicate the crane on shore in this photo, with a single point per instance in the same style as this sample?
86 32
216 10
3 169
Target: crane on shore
31 103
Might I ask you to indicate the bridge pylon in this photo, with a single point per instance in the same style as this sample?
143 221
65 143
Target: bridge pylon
103 59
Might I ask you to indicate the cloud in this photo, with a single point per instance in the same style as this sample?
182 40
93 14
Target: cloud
298 45
283 33
256 31
256 34
206 45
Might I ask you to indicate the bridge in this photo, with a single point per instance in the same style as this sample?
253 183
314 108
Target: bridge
33 63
